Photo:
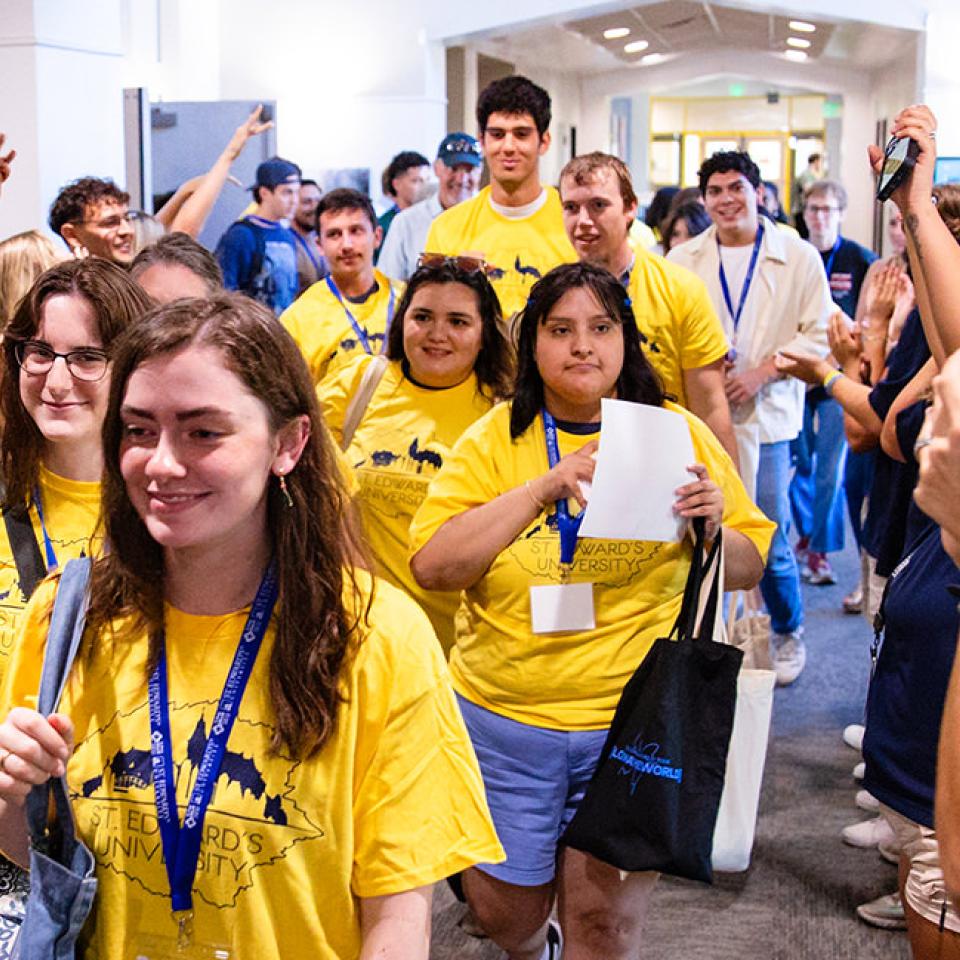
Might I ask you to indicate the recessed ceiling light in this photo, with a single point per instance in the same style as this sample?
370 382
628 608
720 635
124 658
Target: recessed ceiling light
652 58
635 46
798 42
801 26
615 33
798 55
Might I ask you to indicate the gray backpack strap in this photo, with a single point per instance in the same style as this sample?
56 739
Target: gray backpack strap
361 399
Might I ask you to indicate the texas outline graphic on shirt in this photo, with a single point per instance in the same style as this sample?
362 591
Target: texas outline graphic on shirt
252 821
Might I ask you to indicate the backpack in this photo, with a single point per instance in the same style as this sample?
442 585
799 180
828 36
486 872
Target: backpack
261 286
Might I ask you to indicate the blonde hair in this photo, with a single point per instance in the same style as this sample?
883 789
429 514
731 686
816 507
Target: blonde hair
147 230
23 257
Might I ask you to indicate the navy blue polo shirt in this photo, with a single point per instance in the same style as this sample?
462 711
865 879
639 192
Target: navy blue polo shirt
848 268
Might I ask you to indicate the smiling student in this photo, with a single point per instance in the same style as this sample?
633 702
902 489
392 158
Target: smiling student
514 224
350 786
493 525
448 364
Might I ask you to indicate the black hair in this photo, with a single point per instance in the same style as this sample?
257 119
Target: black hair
307 182
723 162
401 163
345 198
638 381
73 200
694 215
660 206
514 95
494 365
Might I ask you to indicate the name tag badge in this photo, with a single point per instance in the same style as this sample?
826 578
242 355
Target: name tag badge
562 608
153 947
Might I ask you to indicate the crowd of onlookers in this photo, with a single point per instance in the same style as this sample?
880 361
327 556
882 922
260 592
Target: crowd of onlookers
458 348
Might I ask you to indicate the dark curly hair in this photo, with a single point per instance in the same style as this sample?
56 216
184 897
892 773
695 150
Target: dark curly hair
72 201
723 162
638 381
494 365
514 95
401 163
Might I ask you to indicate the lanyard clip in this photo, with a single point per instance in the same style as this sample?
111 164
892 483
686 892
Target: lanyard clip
184 922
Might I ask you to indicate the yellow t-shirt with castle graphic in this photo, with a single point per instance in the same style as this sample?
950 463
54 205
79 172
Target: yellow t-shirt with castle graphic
392 802
399 446
564 681
318 321
70 511
679 328
520 250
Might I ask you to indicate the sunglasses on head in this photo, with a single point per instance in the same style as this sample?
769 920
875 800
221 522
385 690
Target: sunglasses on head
465 264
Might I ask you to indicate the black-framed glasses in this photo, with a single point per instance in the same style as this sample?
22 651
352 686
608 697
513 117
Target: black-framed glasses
466 264
86 363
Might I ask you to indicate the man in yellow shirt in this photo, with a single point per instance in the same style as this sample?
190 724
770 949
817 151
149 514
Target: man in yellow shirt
682 336
348 312
514 224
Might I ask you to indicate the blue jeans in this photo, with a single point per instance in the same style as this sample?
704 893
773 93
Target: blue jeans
780 585
816 491
858 480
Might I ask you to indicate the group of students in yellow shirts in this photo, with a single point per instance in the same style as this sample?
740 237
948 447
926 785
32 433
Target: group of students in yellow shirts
361 767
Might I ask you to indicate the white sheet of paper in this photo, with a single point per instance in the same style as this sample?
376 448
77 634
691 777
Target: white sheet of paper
643 458
562 607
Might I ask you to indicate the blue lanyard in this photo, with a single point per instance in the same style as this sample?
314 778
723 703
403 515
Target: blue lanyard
47 544
357 329
747 280
828 266
181 844
569 526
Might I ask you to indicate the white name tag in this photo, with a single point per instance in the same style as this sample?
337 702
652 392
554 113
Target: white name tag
562 607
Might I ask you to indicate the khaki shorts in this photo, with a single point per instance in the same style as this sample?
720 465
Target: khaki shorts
925 890
872 586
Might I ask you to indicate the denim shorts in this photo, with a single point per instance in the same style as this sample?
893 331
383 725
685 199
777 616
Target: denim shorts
534 779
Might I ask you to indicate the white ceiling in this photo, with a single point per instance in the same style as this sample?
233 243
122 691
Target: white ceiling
685 28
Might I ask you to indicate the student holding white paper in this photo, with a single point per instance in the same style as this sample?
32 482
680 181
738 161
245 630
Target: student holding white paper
552 627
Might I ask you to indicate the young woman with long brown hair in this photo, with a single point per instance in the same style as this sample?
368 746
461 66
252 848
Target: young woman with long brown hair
346 785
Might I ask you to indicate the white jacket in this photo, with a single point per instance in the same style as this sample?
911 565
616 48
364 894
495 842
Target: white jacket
787 308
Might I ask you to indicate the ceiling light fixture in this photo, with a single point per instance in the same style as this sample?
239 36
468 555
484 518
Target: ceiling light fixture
653 58
798 42
615 33
801 26
635 46
796 55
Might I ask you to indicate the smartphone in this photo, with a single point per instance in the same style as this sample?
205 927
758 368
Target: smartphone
899 159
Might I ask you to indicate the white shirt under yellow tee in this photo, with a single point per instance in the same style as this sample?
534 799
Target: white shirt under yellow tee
679 329
318 321
392 802
564 681
399 446
70 511
520 250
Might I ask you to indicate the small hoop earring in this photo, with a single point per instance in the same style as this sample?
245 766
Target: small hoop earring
284 490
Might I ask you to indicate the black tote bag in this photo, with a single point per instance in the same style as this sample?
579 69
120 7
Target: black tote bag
652 803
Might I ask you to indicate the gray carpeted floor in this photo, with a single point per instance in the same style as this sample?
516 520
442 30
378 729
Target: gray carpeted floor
797 901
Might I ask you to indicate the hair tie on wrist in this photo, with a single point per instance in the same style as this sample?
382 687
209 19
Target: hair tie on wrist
537 502
830 379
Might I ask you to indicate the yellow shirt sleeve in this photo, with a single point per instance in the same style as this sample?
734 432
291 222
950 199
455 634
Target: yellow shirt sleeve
704 341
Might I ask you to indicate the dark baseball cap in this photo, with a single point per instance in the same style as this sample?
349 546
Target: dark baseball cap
271 173
456 148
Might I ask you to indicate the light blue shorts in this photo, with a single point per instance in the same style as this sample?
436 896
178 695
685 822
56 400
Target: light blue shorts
534 780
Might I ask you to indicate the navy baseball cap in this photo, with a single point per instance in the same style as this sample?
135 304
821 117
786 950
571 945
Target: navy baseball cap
271 173
456 148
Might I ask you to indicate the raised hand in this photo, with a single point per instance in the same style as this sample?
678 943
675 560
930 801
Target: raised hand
251 127
563 481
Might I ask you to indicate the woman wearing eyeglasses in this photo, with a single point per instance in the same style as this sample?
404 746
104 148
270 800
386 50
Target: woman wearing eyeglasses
447 362
52 401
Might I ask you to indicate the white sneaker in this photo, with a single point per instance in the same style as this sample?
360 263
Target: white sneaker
890 851
788 655
867 833
859 770
867 801
853 736
554 948
884 912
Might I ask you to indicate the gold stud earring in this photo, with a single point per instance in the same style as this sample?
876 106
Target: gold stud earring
284 490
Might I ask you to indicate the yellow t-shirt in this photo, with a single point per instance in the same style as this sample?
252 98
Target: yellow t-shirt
521 251
402 441
394 800
679 328
565 681
318 322
70 511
